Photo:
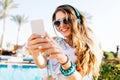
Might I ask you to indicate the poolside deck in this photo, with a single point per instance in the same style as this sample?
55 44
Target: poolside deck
16 60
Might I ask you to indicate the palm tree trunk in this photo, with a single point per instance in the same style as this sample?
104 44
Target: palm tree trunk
16 45
2 36
18 35
1 48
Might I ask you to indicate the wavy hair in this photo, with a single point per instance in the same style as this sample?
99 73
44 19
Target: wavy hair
85 48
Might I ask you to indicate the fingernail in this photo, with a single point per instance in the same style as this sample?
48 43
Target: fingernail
39 47
42 36
48 39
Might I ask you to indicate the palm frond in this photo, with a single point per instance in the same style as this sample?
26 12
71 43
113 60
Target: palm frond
8 4
11 4
19 20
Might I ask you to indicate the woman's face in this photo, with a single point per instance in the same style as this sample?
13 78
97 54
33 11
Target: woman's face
64 29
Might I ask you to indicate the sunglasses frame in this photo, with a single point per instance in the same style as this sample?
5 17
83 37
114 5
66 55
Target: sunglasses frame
60 22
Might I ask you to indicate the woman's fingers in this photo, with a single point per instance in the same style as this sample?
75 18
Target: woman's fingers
49 38
33 36
46 44
39 41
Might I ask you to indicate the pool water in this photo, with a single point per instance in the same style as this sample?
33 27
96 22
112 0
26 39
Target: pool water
19 72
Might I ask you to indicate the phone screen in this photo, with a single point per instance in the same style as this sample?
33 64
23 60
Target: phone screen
37 27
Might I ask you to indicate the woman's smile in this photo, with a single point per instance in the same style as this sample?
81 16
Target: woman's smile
64 29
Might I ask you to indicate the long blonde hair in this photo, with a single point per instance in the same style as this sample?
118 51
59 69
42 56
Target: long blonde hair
83 42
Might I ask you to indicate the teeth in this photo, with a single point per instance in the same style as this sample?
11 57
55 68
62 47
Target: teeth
64 30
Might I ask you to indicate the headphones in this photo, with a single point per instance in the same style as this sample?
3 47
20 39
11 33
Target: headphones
77 13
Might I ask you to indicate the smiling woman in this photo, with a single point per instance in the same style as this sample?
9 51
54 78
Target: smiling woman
76 56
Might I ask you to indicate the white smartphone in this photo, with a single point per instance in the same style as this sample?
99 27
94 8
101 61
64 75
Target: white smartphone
37 27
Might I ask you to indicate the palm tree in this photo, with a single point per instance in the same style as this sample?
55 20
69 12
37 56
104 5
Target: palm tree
1 17
19 20
6 6
1 14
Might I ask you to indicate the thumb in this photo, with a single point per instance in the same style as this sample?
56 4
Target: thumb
47 35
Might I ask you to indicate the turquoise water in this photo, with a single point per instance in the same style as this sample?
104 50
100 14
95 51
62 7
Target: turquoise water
19 72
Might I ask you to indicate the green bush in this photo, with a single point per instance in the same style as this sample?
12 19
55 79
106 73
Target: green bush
109 55
109 71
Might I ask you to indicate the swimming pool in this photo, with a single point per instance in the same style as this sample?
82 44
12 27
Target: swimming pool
19 70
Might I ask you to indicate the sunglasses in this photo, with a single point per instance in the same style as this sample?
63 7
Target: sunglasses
57 23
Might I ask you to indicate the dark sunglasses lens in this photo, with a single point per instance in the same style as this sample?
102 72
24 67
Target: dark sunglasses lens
65 21
57 23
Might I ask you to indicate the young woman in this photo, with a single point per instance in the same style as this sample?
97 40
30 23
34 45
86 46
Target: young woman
74 57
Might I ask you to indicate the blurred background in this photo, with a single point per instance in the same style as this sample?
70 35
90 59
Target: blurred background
102 17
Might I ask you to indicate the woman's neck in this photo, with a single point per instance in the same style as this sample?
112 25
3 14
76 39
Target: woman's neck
69 41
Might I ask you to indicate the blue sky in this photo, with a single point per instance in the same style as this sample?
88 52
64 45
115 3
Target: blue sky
104 23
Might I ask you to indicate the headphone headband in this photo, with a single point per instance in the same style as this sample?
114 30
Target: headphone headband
76 13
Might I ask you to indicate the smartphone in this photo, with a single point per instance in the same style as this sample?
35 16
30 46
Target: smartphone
37 27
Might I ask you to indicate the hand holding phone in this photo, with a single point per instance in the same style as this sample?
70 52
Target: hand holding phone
37 27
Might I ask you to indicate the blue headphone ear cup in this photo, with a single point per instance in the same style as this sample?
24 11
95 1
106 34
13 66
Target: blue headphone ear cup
79 20
76 13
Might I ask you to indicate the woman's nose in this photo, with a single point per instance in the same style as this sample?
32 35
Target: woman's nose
62 25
